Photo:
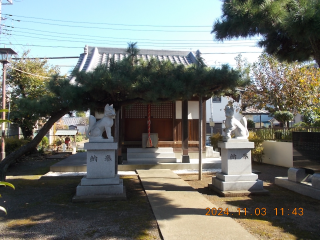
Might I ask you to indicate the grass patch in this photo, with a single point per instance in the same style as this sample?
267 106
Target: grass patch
26 222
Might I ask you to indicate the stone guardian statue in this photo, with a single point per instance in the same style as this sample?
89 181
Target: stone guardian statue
96 128
233 125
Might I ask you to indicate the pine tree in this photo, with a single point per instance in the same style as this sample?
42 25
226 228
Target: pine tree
289 28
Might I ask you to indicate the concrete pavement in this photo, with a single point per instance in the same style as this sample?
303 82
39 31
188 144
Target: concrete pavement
181 211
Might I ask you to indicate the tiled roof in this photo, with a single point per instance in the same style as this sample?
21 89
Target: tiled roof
254 111
71 120
94 56
65 132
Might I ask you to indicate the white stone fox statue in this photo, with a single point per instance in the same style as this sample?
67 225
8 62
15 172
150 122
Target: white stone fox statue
96 128
239 128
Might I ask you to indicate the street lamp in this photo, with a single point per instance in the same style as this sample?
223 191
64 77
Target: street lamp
5 55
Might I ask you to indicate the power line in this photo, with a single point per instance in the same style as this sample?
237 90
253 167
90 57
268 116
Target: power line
140 43
173 40
115 29
45 58
35 75
117 41
33 45
112 24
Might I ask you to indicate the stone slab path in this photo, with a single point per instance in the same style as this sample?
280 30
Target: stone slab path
181 211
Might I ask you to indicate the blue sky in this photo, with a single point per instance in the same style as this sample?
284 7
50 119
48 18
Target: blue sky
62 28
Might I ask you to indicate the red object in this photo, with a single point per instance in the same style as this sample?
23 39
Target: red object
66 141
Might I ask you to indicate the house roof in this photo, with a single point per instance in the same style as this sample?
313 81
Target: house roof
255 111
71 120
65 132
94 56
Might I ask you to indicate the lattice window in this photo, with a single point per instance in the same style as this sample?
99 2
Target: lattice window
162 110
137 110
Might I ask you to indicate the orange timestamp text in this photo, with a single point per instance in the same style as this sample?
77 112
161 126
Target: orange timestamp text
254 212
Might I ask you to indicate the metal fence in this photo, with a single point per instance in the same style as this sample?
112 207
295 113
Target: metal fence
281 134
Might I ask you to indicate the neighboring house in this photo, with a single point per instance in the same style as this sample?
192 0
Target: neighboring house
261 117
79 122
166 117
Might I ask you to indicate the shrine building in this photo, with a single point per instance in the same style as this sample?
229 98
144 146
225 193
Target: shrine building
174 125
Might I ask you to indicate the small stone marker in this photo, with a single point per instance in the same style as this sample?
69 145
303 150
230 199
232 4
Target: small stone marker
316 180
296 174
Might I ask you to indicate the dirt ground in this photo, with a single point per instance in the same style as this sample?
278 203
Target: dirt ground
42 209
296 217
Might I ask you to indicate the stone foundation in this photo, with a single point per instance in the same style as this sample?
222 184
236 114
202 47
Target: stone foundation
236 177
102 181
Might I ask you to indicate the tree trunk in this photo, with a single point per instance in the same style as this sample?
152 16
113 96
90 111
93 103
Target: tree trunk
5 163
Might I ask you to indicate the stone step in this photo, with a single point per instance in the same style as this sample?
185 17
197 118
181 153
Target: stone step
150 150
143 155
151 160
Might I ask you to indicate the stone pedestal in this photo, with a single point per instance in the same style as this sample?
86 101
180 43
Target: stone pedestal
102 181
236 177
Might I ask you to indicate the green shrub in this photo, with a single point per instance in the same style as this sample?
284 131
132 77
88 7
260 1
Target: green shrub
14 143
44 143
215 138
287 136
283 116
300 124
316 123
58 141
278 134
257 152
250 124
5 184
79 138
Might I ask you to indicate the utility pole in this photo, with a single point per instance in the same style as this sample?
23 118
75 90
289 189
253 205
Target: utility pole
9 3
5 53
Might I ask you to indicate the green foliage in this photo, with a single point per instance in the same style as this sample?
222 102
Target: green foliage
250 124
215 138
43 144
316 123
289 28
282 86
257 152
283 116
26 87
9 185
300 124
14 143
81 114
309 117
79 137
59 141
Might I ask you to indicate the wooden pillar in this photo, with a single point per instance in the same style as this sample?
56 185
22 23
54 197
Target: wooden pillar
117 138
185 132
204 124
260 120
200 138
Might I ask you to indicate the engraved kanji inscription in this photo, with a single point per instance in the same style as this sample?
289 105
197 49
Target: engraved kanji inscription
93 158
108 158
245 156
233 156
